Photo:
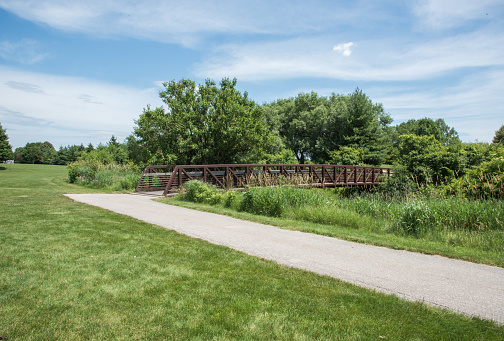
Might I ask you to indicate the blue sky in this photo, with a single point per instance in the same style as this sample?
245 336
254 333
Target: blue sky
75 72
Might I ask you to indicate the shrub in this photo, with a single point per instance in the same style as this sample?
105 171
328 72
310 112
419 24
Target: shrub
483 182
201 192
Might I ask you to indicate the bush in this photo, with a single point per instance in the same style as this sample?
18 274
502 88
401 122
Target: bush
483 182
197 191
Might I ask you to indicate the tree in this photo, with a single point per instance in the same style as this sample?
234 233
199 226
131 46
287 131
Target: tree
36 152
499 136
203 124
300 121
427 160
363 127
5 147
428 127
316 128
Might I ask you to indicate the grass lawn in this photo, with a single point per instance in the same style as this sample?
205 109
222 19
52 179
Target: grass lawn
69 271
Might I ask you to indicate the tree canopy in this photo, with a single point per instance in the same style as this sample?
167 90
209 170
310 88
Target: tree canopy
36 152
202 124
313 127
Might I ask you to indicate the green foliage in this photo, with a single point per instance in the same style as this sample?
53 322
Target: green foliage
284 156
499 136
428 216
267 201
5 147
92 173
485 181
198 191
36 153
346 155
401 184
476 152
438 129
68 154
112 153
415 219
313 126
428 161
204 124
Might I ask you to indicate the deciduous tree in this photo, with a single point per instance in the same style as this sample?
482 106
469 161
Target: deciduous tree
203 124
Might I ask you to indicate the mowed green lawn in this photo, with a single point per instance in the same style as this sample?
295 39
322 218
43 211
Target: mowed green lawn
74 272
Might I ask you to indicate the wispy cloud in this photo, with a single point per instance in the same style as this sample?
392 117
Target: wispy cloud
89 99
26 87
24 51
18 118
190 22
68 104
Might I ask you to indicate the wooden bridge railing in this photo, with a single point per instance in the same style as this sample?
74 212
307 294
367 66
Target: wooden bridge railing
170 178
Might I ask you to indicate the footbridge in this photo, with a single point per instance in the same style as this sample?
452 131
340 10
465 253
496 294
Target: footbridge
169 178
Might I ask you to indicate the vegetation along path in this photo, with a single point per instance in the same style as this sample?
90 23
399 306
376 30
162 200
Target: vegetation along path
461 286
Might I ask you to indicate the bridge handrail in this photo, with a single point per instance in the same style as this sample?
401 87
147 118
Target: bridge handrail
169 178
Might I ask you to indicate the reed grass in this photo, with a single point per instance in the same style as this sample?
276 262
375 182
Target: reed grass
113 177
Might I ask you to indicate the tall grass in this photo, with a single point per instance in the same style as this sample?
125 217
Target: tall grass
113 177
455 221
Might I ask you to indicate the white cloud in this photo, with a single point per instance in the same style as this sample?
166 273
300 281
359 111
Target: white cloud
344 48
24 51
184 22
379 59
67 110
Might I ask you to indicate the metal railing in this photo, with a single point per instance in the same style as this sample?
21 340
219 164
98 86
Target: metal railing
170 178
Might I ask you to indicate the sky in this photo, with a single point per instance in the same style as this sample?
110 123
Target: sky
78 72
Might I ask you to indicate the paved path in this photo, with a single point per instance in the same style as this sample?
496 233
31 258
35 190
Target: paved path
461 286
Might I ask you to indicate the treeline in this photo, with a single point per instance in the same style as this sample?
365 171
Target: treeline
214 123
45 153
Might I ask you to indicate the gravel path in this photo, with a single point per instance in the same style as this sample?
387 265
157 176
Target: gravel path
464 287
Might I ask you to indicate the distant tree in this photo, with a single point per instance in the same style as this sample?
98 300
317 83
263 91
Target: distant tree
346 155
136 153
5 147
203 124
429 127
113 141
299 123
428 160
68 154
36 152
363 125
316 128
499 136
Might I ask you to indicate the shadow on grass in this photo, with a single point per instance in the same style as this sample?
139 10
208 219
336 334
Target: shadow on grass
2 168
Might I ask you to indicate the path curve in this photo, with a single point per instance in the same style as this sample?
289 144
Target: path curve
464 287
